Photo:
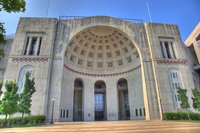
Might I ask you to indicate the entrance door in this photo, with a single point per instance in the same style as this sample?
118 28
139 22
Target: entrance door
99 106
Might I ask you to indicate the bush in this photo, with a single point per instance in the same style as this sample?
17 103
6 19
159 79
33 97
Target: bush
17 121
181 116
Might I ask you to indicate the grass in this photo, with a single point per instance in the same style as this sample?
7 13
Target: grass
29 125
193 121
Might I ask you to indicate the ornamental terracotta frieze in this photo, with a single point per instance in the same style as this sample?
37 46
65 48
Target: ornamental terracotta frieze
172 62
29 59
101 75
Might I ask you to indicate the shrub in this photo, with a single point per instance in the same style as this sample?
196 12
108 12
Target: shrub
17 121
180 116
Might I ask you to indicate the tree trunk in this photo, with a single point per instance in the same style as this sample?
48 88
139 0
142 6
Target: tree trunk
188 114
23 115
5 124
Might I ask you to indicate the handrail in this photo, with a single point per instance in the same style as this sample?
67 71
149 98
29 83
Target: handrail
80 17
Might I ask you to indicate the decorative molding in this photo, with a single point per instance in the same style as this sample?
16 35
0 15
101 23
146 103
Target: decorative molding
29 59
101 75
172 62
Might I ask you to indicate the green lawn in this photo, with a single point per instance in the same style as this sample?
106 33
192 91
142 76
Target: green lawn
194 121
30 125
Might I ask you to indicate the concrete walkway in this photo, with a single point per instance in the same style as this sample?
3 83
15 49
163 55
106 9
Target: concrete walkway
112 127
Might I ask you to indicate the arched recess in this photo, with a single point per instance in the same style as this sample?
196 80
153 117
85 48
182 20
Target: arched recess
100 100
175 80
75 62
123 100
22 76
78 100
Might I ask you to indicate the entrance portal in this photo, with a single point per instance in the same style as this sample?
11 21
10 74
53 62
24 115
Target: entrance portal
100 96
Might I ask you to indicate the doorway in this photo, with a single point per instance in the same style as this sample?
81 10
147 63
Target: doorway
100 101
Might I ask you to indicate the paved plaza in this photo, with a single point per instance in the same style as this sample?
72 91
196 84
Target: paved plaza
112 127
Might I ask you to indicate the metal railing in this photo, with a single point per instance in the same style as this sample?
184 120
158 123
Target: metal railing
9 37
80 17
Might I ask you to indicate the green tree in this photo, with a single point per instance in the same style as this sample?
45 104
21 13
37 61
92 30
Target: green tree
182 95
196 98
9 102
9 6
25 96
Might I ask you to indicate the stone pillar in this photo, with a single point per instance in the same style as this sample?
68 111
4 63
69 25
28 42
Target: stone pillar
175 50
67 98
111 100
29 46
164 50
88 100
171 50
37 46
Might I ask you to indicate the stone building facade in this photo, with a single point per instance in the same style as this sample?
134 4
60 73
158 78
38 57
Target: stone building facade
100 68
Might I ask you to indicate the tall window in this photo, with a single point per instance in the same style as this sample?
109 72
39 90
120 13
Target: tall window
22 76
168 48
175 82
33 44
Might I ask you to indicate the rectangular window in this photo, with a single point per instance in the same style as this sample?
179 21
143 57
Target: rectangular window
61 113
144 112
175 97
140 112
67 114
167 49
33 46
174 75
136 112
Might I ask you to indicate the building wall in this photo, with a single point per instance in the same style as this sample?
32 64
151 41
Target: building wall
148 86
41 63
163 65
3 62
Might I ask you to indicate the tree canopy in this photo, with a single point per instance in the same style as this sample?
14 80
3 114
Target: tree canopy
25 96
9 6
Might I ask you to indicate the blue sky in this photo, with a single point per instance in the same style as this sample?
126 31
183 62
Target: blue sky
184 13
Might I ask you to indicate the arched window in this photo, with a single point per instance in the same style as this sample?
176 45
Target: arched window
175 82
22 75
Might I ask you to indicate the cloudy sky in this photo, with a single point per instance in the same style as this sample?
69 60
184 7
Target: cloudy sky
184 13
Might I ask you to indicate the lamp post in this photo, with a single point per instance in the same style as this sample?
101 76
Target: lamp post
53 99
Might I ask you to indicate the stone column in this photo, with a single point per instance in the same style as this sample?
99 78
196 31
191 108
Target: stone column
88 100
111 100
171 50
37 46
29 46
174 49
164 50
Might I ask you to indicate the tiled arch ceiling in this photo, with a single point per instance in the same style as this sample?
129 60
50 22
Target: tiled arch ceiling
101 50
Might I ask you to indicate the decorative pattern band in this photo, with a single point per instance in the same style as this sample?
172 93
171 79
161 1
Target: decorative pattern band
29 59
172 62
101 75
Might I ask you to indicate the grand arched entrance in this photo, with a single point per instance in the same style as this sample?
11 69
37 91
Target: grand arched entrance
100 100
108 54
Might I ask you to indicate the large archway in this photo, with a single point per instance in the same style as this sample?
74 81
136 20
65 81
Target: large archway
105 52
